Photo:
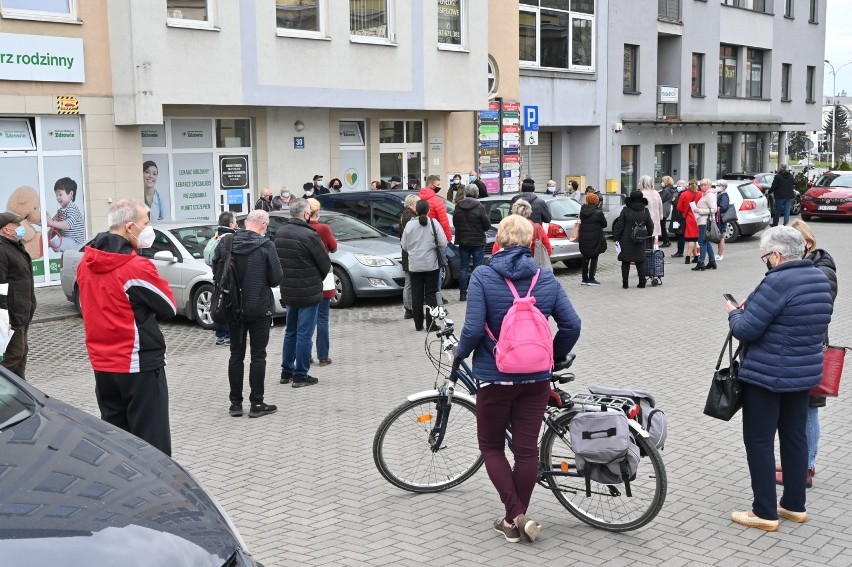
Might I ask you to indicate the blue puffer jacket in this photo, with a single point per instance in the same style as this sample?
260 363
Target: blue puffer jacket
782 327
489 299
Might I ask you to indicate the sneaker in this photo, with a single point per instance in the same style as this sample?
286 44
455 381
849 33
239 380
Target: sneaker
226 341
299 381
286 377
512 534
462 297
584 282
528 528
220 342
677 255
718 257
324 361
236 410
259 410
593 282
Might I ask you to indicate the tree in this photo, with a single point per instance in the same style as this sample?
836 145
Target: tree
841 142
798 143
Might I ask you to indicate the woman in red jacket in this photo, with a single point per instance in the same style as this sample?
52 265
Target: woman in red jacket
690 234
330 243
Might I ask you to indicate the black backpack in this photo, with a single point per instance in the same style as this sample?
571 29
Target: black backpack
639 234
226 305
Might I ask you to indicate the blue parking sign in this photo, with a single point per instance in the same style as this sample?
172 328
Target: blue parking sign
531 118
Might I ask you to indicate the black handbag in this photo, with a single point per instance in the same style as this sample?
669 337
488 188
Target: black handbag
726 392
443 262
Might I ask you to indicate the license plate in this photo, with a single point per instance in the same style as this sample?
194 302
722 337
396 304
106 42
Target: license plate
827 208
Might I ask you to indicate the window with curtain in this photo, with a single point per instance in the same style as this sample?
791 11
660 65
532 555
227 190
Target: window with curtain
631 68
697 74
727 70
369 18
450 20
754 73
557 34
298 15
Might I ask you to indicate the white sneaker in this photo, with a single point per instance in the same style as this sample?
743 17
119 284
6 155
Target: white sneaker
718 257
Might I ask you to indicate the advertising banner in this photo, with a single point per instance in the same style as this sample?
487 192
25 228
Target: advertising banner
155 186
194 187
41 58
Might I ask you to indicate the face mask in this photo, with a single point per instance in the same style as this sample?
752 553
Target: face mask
146 237
20 232
456 181
551 188
319 182
285 195
472 178
309 193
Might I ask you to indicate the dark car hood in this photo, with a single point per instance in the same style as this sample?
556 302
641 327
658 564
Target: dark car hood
74 490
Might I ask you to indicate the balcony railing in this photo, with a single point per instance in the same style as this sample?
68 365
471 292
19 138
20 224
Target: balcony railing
668 10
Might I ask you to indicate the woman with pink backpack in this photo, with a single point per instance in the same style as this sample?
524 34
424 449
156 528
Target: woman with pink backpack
519 291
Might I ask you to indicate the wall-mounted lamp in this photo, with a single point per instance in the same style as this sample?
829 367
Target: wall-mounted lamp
618 127
299 125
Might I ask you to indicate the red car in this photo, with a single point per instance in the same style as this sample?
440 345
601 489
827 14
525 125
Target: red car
829 196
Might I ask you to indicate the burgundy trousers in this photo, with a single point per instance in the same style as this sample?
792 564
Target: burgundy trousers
521 407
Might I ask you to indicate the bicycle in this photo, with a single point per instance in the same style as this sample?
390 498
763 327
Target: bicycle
428 443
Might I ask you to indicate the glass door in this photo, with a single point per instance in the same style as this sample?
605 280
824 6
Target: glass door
401 150
662 163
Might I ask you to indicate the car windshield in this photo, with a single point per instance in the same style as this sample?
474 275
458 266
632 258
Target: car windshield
563 209
15 405
834 180
346 228
194 238
749 191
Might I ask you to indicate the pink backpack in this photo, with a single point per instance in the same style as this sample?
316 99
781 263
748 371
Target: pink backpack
526 343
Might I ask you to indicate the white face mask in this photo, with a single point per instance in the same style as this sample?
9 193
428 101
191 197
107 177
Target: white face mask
146 237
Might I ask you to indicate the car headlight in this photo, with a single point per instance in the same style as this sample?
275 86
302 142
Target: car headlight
373 261
807 198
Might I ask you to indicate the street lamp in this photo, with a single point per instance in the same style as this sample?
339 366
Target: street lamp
834 105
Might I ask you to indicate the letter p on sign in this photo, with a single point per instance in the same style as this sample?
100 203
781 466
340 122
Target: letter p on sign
531 118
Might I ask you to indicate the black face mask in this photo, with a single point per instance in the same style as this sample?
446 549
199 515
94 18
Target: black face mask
768 264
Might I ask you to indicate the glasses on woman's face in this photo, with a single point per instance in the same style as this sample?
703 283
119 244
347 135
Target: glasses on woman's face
766 256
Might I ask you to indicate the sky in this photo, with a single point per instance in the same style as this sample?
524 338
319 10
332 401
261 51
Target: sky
838 45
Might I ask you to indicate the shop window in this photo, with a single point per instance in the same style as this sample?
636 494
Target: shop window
631 68
629 167
727 70
451 23
754 73
233 133
51 10
370 20
189 11
557 34
697 74
300 17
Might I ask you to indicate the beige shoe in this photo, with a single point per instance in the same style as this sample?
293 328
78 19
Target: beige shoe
798 517
749 520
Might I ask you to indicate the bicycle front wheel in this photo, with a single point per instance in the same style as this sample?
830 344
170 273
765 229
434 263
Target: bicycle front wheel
403 445
608 507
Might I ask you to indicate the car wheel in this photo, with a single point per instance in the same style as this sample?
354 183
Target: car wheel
805 216
573 263
344 293
201 300
796 207
732 231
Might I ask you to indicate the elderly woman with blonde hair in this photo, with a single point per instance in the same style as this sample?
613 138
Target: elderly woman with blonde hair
706 207
523 208
515 401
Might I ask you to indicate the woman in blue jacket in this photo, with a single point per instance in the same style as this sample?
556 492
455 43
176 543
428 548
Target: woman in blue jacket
512 400
781 327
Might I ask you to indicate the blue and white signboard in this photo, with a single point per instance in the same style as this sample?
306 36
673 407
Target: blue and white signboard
531 118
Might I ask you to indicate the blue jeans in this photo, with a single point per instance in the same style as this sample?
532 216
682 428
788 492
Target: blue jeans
323 341
298 339
222 331
465 254
705 247
781 205
812 431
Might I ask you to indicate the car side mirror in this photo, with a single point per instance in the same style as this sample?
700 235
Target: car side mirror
165 256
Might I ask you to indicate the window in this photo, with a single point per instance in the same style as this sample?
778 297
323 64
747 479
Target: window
557 34
754 73
192 10
631 68
755 5
696 161
788 8
749 152
629 167
493 77
299 17
724 153
233 133
450 23
697 74
786 71
809 84
369 19
814 8
400 132
51 10
727 70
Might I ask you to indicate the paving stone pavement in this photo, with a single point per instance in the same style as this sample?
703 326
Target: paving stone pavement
302 488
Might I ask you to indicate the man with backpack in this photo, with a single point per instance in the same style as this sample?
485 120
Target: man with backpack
256 270
227 225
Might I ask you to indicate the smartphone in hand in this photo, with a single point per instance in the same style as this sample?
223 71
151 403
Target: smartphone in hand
730 298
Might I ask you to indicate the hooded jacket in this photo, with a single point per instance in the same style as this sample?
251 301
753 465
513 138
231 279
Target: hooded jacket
489 299
121 298
16 269
437 210
783 186
634 212
258 270
782 327
592 224
470 221
540 211
305 263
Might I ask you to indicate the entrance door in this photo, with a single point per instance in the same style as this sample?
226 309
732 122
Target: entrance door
401 150
662 163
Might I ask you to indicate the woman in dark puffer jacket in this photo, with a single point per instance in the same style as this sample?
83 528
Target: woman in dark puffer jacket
512 400
592 240
781 327
633 213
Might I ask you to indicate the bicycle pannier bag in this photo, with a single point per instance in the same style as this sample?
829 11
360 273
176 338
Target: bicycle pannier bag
603 448
525 345
650 417
226 303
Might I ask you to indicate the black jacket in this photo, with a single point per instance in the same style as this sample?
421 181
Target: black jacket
483 190
633 212
305 262
592 224
540 211
264 205
470 221
783 186
258 269
16 269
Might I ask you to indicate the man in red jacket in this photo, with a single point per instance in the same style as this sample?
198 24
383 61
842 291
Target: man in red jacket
121 297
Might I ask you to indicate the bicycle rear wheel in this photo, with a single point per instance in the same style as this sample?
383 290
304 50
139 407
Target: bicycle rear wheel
608 507
403 453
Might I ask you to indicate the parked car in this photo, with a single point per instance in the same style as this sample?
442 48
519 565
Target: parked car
178 254
763 181
752 210
806 164
829 196
367 263
78 491
564 212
